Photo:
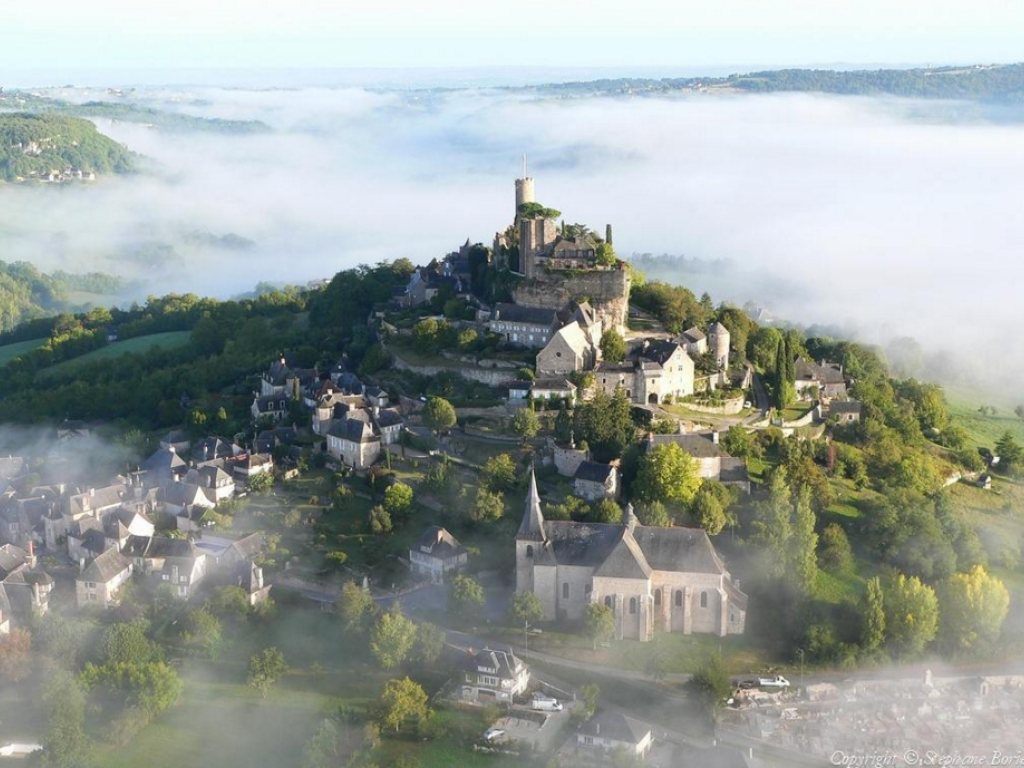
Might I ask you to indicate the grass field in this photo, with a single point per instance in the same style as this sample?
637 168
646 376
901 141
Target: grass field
984 431
169 340
9 352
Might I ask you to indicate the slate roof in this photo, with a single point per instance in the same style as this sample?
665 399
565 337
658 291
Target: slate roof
513 313
693 335
165 460
823 374
626 560
846 406
554 384
11 558
212 448
98 498
593 472
659 351
733 471
104 567
697 446
717 329
390 417
11 467
532 526
248 547
440 543
505 662
159 546
615 726
353 430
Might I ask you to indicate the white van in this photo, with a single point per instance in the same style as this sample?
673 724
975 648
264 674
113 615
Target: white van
543 703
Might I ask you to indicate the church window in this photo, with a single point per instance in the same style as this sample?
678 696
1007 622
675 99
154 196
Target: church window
529 550
703 599
657 597
565 591
610 602
679 598
632 605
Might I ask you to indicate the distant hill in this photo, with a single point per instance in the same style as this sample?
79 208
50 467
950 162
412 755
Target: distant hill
127 112
992 83
28 294
34 145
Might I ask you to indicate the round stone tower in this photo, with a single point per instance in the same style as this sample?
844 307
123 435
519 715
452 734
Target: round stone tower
718 336
525 192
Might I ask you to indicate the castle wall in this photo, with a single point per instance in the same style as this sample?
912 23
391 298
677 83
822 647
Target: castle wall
607 290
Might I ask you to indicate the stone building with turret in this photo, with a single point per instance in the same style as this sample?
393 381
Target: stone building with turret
560 270
654 579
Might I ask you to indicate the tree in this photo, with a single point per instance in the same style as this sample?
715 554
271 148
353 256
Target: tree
589 695
465 596
709 513
804 545
599 623
203 632
402 700
742 444
499 473
392 638
321 751
65 744
606 511
667 474
355 608
873 617
711 686
654 515
911 614
439 415
563 424
526 423
430 640
16 655
227 602
773 526
266 668
398 499
261 483
605 255
1009 451
380 520
834 552
525 609
127 643
613 346
605 424
488 506
973 607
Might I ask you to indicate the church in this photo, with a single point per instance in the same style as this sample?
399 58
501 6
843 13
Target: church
654 579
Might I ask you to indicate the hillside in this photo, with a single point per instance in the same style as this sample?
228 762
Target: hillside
997 83
33 146
28 294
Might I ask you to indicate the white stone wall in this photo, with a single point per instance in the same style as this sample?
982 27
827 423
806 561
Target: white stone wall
568 460
577 579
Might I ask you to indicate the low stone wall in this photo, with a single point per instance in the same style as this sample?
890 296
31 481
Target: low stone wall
493 376
727 408
509 365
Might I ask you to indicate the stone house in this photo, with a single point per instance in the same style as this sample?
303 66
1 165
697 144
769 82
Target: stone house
575 347
175 563
270 406
713 463
495 677
695 341
594 481
436 554
543 389
608 732
523 326
353 442
655 370
25 586
824 378
101 580
667 579
845 411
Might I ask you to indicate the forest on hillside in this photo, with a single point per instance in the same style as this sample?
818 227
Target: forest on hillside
36 144
28 294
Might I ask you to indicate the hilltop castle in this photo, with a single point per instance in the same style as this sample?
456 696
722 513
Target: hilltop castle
561 269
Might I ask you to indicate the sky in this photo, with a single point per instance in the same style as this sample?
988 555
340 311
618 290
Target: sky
130 36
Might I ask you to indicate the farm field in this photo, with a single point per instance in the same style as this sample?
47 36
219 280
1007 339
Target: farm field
9 352
169 340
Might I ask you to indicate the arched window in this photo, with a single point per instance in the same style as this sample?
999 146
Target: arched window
565 591
632 605
703 599
610 602
657 597
679 598
529 550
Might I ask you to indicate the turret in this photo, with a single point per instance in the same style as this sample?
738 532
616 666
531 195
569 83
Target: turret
629 517
719 341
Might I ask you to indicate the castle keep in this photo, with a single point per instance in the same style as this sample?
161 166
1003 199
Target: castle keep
561 271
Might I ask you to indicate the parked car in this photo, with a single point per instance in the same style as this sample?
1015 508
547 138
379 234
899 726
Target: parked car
493 734
778 681
543 703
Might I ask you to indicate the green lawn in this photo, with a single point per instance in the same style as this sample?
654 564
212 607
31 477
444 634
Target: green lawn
9 352
169 340
984 431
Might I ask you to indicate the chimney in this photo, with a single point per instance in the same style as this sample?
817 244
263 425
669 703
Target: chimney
81 564
714 436
31 554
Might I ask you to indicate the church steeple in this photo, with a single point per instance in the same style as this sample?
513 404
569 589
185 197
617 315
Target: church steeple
532 527
629 518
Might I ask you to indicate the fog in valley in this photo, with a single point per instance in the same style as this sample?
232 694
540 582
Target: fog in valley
883 217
